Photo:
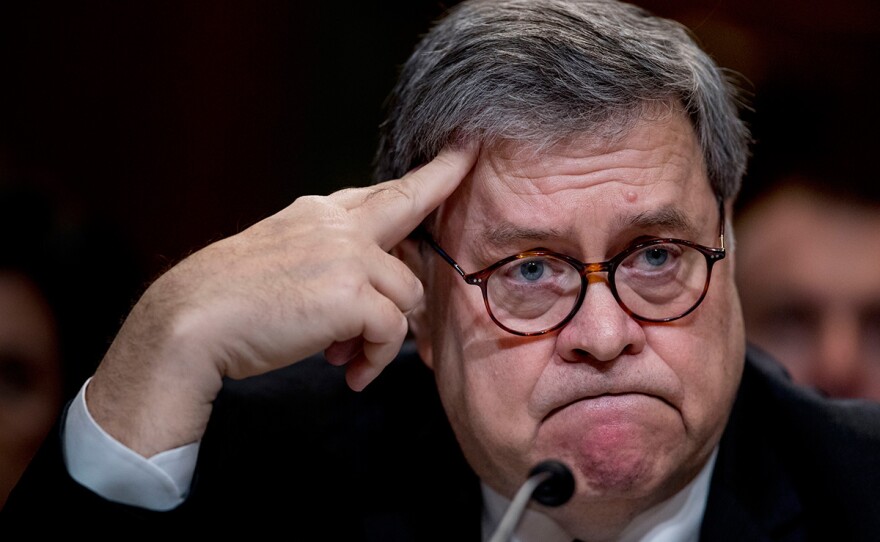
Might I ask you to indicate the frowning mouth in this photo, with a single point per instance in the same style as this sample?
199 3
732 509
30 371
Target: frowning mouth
620 403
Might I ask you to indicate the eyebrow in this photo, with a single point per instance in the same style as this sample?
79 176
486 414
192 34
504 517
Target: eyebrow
668 218
506 234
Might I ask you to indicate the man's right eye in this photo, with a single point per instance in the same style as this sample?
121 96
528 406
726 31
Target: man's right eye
656 256
532 270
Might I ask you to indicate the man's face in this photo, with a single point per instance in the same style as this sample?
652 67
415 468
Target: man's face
30 375
634 408
811 290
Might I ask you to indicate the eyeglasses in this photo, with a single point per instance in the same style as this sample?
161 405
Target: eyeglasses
539 291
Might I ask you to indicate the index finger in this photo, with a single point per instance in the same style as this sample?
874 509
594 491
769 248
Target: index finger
392 209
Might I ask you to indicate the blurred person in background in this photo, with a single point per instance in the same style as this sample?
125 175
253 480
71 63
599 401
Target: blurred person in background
808 240
61 283
30 358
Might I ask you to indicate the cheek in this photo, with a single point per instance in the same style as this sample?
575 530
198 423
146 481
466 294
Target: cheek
477 364
706 350
485 377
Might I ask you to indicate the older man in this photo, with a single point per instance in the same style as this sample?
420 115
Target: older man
567 282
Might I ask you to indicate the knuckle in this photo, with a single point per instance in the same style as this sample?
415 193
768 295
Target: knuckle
391 193
417 293
402 325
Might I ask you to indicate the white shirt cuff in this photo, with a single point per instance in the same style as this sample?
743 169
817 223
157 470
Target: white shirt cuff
106 466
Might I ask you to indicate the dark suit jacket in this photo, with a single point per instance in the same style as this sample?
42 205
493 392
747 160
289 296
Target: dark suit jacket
296 454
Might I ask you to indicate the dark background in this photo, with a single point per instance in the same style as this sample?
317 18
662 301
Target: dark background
165 125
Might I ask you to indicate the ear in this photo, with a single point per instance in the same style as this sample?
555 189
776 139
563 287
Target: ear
410 253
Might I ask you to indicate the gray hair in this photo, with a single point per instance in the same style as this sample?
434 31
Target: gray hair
539 71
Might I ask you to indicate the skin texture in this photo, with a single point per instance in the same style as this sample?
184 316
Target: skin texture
635 408
811 288
30 375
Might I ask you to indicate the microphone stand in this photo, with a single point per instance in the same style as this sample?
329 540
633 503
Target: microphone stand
550 483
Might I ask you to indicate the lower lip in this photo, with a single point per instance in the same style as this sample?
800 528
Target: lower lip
625 404
610 418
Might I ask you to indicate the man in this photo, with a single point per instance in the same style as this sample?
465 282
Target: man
30 372
44 352
538 136
808 240
817 311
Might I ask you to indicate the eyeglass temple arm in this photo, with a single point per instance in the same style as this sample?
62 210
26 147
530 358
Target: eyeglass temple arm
422 233
721 227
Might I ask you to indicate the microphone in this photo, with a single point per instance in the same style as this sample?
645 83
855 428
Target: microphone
550 483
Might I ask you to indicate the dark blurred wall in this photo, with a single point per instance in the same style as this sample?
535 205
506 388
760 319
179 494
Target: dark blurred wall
181 122
184 121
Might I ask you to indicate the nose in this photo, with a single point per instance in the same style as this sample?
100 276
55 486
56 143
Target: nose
601 330
838 366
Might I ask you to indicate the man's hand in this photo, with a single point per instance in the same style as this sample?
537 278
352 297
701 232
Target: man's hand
316 276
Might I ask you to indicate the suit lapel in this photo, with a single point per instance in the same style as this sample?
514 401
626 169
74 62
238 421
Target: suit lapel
752 495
